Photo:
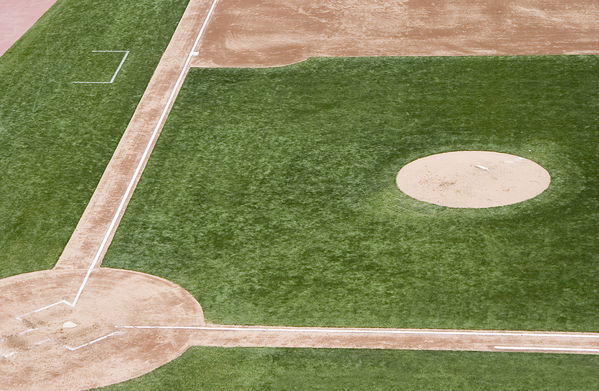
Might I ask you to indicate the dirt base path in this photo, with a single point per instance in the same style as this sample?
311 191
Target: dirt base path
407 339
97 225
16 17
255 33
382 338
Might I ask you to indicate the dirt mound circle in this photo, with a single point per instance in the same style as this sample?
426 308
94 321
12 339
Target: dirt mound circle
472 179
60 347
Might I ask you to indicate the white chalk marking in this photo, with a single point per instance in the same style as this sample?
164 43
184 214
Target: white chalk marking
20 317
481 167
546 349
9 355
41 342
26 331
366 331
94 341
118 69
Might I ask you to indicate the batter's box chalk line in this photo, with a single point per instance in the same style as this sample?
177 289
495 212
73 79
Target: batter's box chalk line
38 343
118 69
72 349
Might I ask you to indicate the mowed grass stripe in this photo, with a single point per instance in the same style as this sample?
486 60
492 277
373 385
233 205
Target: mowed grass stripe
271 197
310 369
56 136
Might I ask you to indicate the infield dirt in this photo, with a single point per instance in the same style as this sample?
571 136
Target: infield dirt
74 348
261 33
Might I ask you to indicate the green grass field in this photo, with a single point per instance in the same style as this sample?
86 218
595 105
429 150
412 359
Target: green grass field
270 195
310 369
57 137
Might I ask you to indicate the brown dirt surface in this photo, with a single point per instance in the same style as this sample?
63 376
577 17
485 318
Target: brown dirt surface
410 339
44 351
16 17
472 179
260 33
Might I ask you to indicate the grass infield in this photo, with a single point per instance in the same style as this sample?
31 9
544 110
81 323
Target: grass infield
57 137
311 369
270 195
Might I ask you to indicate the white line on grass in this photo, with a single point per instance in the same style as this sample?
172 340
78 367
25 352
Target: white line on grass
546 349
363 331
115 73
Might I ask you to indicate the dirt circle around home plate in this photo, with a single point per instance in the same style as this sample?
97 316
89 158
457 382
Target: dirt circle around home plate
473 179
85 346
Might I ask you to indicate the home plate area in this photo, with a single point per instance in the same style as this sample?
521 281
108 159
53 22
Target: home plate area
45 346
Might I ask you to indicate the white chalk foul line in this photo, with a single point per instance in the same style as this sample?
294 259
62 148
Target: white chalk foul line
94 341
547 349
367 331
118 69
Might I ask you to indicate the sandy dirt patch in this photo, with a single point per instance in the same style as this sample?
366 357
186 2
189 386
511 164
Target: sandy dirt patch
472 179
257 33
64 348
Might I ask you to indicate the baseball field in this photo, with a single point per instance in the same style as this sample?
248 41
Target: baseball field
264 199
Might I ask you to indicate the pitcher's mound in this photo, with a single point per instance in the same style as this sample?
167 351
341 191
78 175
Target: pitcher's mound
472 179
